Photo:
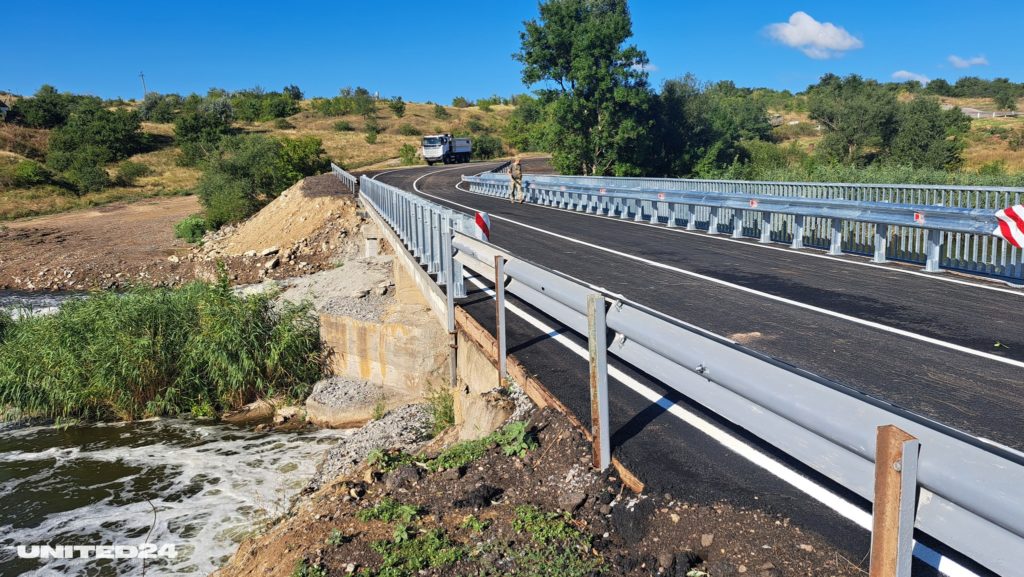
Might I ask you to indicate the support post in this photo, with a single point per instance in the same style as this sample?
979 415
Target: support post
766 228
892 531
597 339
691 217
737 224
836 244
453 342
798 232
499 313
713 221
881 242
933 251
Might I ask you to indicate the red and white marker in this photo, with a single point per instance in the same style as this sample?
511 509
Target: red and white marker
919 217
483 226
1011 225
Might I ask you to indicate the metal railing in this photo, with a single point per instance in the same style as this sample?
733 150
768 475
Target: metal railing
939 227
959 490
967 494
346 177
426 229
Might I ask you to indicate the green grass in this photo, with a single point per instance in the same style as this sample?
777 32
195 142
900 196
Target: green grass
406 556
305 569
191 228
556 549
513 439
442 409
389 510
199 349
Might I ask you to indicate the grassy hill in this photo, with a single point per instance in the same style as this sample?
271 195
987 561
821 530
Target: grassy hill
347 147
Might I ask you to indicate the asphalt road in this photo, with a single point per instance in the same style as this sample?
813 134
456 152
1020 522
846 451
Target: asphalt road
821 328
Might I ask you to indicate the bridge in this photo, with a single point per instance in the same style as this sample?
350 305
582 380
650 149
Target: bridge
942 351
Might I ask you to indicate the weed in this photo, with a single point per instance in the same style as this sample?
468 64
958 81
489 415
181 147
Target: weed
513 439
556 546
442 408
429 550
388 460
389 510
407 129
337 538
473 524
380 408
191 228
343 126
305 569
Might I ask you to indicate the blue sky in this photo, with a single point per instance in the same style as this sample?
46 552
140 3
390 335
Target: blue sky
434 51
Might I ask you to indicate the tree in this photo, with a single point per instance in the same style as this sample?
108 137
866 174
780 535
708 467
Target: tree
48 108
928 136
601 102
859 117
397 106
440 112
939 87
293 92
200 128
461 102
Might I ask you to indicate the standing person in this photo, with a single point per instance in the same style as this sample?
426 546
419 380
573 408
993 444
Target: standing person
515 173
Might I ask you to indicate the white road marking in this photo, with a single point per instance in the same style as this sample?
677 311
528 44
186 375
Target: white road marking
810 488
798 304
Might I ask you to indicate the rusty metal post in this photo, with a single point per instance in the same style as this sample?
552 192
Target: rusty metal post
597 339
499 313
892 532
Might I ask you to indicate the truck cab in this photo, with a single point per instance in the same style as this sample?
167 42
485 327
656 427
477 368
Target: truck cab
446 148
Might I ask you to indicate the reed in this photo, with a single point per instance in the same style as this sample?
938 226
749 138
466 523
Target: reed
199 349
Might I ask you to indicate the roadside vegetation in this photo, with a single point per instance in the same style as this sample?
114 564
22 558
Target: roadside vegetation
196 350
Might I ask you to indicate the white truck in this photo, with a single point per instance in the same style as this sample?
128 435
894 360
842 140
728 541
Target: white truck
445 148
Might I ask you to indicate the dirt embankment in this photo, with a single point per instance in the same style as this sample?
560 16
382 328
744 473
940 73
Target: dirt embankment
302 231
544 512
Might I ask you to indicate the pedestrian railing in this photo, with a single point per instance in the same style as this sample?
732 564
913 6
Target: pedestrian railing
919 474
939 227
347 178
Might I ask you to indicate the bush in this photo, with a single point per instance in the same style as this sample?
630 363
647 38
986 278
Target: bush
440 112
283 124
407 153
158 351
485 105
487 146
191 228
409 130
29 173
84 170
128 172
461 102
160 107
199 131
371 137
397 106
343 126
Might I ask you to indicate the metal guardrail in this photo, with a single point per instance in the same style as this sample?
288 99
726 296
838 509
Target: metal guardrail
958 490
874 220
502 168
346 177
969 493
426 229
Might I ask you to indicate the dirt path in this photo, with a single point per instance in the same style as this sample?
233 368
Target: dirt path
75 250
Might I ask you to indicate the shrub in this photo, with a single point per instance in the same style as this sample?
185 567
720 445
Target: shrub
128 172
293 92
283 124
409 130
485 105
440 112
397 106
29 173
1016 140
191 228
158 351
343 126
160 107
200 130
442 409
487 146
461 102
371 137
407 153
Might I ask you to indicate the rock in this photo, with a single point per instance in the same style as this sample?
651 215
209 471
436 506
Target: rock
358 294
479 497
632 525
381 291
254 413
453 474
605 509
288 413
173 258
571 501
402 477
741 569
674 517
707 539
342 403
249 254
351 568
272 263
269 251
806 547
666 560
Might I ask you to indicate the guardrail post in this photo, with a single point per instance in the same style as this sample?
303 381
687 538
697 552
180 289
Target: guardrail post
499 314
639 211
737 224
766 228
835 247
892 531
798 232
933 250
673 215
691 217
713 221
656 213
881 242
453 340
597 339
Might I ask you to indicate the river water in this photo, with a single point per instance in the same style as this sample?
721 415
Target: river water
199 486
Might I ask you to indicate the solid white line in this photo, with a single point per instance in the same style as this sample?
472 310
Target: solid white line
808 251
805 306
814 490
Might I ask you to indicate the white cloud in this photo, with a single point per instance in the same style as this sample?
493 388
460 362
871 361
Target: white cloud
818 40
645 67
958 62
908 75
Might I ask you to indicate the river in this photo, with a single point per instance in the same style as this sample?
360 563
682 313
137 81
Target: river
199 486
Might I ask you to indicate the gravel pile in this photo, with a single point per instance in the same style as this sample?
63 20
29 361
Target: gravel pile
403 428
361 289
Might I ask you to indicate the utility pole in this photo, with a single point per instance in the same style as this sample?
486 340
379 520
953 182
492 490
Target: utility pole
144 91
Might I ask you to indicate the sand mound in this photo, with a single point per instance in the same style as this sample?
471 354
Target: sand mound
299 213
